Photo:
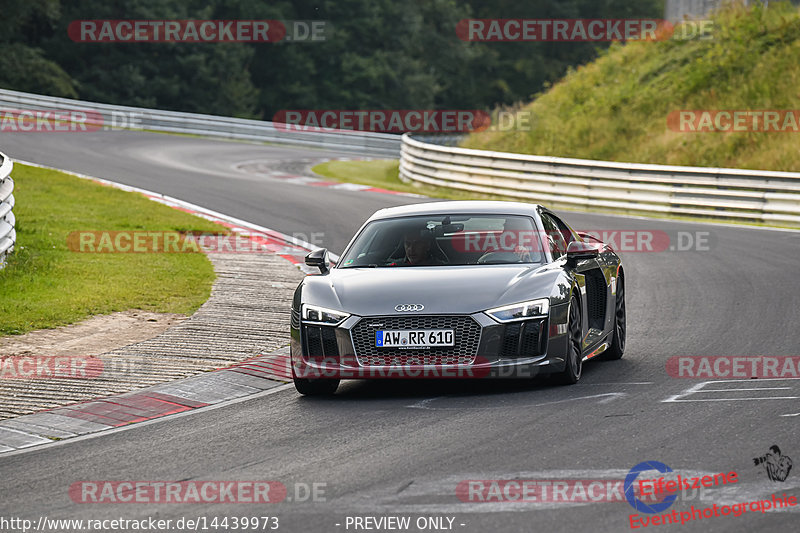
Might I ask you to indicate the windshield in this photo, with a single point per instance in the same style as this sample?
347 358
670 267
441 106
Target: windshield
449 240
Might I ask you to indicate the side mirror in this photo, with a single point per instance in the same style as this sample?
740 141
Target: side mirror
579 250
319 259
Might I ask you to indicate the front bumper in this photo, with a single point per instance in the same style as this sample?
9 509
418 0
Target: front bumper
513 350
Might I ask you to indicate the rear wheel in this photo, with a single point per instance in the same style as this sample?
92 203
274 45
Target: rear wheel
574 361
617 347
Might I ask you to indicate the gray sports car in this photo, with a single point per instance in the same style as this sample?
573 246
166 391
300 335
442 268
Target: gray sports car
458 290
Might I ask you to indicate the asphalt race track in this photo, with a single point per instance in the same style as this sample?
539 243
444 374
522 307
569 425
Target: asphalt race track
400 448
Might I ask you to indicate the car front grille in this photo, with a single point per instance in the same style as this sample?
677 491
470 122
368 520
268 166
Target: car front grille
467 336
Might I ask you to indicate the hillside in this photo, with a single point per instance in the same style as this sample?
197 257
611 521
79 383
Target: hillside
617 107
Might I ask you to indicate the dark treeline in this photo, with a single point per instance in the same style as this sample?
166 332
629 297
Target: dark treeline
377 54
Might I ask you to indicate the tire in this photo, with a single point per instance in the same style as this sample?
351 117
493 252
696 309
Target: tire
617 348
315 387
574 360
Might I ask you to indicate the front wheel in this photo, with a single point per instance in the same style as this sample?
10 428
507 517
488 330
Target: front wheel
574 364
617 347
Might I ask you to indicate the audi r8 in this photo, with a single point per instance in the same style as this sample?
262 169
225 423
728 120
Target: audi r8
458 289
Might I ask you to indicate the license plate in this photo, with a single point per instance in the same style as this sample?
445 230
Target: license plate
416 338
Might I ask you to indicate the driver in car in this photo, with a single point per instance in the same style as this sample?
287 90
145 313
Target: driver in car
419 249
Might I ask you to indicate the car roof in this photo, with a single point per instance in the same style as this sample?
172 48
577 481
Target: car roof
458 207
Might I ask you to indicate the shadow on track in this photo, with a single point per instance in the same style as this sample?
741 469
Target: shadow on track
393 389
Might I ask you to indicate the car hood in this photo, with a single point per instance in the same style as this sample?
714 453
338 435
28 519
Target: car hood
462 290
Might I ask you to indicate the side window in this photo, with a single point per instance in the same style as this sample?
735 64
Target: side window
555 238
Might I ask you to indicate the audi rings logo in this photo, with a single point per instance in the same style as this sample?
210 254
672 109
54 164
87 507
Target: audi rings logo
408 307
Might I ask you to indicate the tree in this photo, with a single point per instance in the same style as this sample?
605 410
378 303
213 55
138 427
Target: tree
24 66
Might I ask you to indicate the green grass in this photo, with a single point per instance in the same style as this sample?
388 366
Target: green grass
376 173
46 285
616 108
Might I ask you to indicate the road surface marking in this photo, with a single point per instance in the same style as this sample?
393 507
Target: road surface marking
699 388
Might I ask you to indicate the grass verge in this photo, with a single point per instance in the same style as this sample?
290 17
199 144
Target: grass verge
46 285
385 174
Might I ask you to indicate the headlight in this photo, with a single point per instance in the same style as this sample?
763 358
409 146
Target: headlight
521 311
313 314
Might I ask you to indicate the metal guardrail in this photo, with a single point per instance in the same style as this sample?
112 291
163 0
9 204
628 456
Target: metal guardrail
8 235
359 142
721 194
676 10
